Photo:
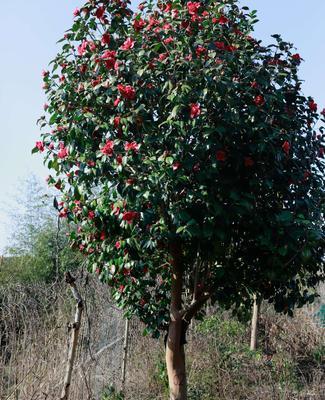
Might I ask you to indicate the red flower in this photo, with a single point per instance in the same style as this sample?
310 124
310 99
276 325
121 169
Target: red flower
107 149
221 155
259 100
100 12
91 214
121 288
163 56
128 44
117 121
168 40
220 45
200 50
131 146
193 7
63 152
177 165
127 92
286 147
82 48
117 102
248 162
312 106
118 245
40 146
106 38
296 57
222 20
102 235
168 7
195 110
138 24
129 216
119 159
76 12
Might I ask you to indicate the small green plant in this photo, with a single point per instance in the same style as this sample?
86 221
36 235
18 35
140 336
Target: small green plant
110 393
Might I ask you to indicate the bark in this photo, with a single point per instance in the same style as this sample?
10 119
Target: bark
175 352
74 336
254 328
175 361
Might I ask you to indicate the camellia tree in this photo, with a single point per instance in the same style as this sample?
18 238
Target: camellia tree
189 160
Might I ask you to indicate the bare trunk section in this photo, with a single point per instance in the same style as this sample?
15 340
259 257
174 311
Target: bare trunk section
74 336
175 353
175 361
254 328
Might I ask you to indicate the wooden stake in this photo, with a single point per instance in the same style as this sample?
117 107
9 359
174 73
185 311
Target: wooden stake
255 317
74 335
125 351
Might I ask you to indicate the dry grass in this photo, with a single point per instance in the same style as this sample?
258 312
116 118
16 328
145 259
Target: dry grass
34 344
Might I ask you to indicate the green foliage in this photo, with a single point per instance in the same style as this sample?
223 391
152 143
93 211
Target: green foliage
110 393
175 128
39 249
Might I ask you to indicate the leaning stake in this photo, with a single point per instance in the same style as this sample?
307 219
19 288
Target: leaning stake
74 335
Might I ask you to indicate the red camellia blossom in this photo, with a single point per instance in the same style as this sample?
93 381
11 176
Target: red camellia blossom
63 152
82 48
220 45
91 214
312 106
177 165
221 155
195 110
102 235
100 12
138 24
107 149
296 57
127 91
118 245
117 102
168 40
76 12
129 216
222 20
117 121
106 39
131 146
119 159
193 7
259 100
248 162
286 147
200 50
109 58
40 146
128 44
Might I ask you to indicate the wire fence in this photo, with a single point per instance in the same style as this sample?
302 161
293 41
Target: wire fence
35 338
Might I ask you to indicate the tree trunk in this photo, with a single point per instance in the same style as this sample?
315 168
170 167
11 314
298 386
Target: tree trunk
175 361
255 317
175 354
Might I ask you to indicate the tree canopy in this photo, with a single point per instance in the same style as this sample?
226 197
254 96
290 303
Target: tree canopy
176 137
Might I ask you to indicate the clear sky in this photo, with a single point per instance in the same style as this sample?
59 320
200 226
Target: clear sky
29 30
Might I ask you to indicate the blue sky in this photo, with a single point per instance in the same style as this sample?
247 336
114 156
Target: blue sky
29 31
